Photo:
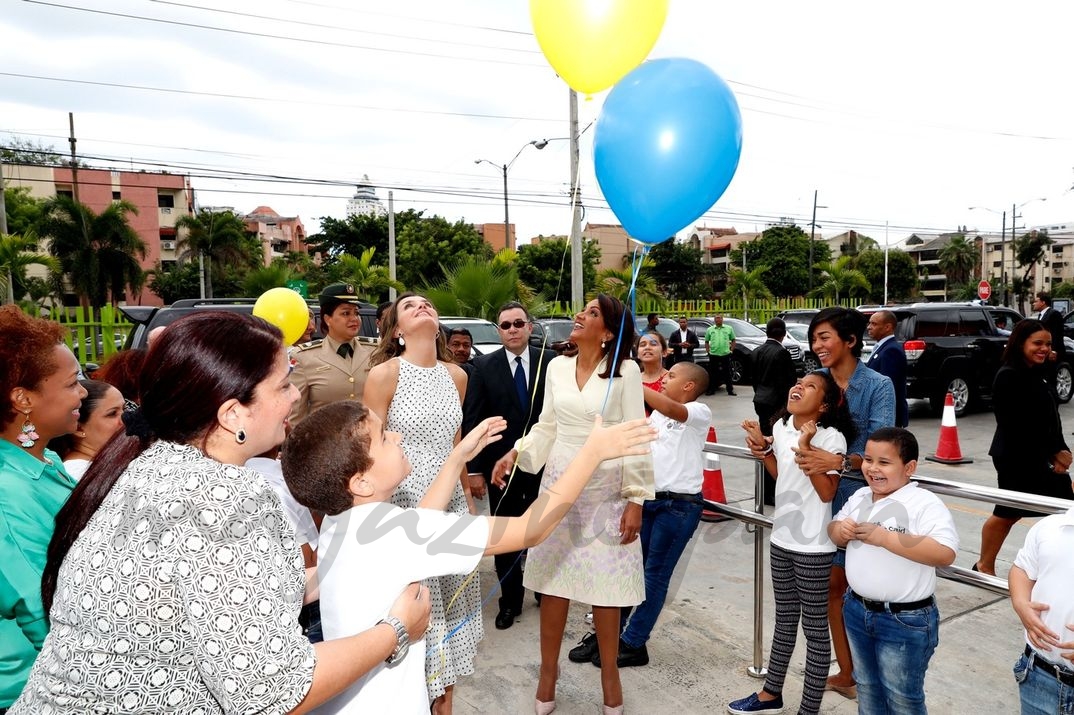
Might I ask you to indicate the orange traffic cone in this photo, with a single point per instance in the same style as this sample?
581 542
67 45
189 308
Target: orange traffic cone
948 452
712 486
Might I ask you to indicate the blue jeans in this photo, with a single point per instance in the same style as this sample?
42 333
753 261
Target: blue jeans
1040 692
891 653
666 528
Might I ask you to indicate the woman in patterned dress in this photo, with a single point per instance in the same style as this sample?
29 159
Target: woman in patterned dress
417 390
173 581
594 555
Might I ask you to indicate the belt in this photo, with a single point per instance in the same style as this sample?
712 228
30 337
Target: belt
676 496
1060 673
881 606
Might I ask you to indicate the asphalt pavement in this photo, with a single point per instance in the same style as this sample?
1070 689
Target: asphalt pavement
702 645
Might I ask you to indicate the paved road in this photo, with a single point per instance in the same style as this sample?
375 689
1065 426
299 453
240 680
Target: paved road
703 644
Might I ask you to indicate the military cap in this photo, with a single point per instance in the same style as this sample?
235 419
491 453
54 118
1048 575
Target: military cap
335 294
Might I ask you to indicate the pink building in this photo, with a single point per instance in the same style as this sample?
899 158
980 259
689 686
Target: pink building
277 234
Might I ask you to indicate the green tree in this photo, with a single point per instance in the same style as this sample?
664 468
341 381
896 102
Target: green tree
902 275
17 253
370 281
838 280
261 279
99 253
23 210
748 285
958 259
856 244
784 250
17 150
219 237
616 283
181 281
546 267
1063 290
357 233
424 247
475 288
678 270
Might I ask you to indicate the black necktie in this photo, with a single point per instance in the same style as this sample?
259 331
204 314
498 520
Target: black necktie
345 350
520 383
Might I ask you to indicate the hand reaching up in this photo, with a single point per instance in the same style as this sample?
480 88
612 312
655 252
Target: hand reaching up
480 437
627 438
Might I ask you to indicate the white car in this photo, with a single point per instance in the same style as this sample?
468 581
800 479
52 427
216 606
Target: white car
485 334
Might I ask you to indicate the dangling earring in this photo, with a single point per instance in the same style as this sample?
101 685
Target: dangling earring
601 344
240 436
402 343
28 436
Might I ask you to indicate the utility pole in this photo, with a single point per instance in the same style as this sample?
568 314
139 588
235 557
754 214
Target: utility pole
577 292
1003 256
391 245
74 159
9 298
812 232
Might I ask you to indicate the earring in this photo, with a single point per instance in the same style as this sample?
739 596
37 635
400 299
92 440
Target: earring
28 436
601 344
402 342
240 436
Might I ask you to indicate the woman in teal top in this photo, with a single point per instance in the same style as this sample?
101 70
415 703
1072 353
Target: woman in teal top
39 400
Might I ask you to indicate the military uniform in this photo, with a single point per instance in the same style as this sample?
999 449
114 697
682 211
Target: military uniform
323 376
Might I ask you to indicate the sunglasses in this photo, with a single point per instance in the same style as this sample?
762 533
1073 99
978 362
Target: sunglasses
518 324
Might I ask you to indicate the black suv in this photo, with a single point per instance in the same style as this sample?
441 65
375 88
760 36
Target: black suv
147 317
950 347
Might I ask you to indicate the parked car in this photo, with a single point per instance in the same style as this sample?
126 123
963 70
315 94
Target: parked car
551 333
748 337
485 334
798 316
799 332
1064 375
148 317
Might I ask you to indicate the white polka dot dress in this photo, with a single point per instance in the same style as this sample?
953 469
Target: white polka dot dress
427 411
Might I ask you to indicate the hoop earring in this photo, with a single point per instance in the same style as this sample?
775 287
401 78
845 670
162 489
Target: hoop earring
240 436
28 436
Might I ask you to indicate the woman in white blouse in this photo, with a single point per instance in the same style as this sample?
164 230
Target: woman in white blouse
99 417
173 580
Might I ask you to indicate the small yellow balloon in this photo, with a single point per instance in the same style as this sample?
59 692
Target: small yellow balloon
285 309
592 44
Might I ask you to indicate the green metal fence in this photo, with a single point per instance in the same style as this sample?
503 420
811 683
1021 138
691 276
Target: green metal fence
755 311
94 335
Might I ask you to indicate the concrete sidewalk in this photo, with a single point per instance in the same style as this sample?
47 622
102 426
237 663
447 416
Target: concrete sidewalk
702 644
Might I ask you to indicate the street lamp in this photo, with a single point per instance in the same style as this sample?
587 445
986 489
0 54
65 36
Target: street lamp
536 143
812 231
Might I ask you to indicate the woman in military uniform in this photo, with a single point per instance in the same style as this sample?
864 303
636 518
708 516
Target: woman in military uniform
334 368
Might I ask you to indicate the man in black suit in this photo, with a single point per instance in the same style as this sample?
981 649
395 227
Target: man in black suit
773 377
683 342
1053 323
507 383
889 359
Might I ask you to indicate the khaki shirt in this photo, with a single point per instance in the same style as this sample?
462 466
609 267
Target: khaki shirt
322 376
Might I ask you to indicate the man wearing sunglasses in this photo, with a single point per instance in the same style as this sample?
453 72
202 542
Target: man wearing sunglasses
507 383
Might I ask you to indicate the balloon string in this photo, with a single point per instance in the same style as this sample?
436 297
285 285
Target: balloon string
637 260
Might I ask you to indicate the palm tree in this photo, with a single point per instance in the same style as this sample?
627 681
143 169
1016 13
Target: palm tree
840 281
98 252
958 259
616 283
369 281
475 288
262 279
748 284
214 236
16 253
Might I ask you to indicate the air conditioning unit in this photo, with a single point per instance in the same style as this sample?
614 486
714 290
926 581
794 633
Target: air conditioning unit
167 245
165 209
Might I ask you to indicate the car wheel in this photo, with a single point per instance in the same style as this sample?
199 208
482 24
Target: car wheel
1064 383
811 362
738 370
961 392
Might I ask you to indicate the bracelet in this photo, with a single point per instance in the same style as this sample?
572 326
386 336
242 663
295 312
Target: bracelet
767 451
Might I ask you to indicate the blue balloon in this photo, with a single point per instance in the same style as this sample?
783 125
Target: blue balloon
666 146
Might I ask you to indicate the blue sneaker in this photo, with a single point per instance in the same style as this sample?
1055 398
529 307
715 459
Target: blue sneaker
754 705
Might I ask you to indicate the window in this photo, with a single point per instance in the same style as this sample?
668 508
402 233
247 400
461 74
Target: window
116 196
165 201
973 322
931 324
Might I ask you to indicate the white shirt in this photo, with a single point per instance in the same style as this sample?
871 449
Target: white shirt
878 574
882 340
1047 557
366 556
76 467
525 362
677 457
800 522
298 515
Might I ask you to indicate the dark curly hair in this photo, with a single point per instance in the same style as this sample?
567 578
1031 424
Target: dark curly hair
27 356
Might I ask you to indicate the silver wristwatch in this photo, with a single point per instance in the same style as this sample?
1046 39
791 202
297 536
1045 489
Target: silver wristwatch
402 639
848 464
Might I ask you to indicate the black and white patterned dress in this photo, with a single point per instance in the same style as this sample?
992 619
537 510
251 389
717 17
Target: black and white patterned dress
181 595
427 411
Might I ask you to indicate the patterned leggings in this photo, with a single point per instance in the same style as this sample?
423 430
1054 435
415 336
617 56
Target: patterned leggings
800 585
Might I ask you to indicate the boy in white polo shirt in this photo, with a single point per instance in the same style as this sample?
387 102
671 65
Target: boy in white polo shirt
1040 583
895 535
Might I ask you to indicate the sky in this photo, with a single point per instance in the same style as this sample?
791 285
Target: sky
900 116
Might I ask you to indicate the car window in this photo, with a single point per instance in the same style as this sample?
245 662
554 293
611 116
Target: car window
930 324
973 323
743 329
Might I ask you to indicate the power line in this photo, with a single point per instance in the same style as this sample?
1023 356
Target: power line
308 3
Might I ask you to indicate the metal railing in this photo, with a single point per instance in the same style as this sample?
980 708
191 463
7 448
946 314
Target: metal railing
756 522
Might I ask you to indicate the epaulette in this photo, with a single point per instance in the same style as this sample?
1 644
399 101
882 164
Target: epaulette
366 340
303 347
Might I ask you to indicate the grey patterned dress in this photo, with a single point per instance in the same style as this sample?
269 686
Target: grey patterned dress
427 411
181 595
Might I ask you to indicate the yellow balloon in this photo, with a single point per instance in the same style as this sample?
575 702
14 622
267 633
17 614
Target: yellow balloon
285 309
592 44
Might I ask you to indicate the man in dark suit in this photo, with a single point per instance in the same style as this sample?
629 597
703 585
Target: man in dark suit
683 342
889 359
1053 323
773 377
507 383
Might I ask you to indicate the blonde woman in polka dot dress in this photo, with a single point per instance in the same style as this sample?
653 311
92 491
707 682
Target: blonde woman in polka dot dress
417 390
